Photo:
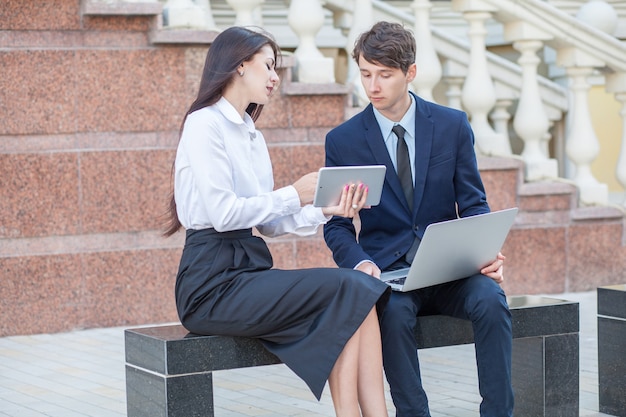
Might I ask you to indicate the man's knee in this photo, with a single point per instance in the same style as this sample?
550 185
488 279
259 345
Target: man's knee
399 314
487 301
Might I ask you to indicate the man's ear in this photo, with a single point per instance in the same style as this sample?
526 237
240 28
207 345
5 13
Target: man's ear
411 73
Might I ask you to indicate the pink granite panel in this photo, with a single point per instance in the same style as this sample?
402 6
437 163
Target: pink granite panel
124 190
543 218
131 287
292 162
39 194
194 63
130 90
118 23
307 159
313 253
40 294
318 134
291 252
317 111
278 136
501 188
277 113
545 202
283 253
282 165
37 92
597 213
40 15
536 261
597 256
547 195
115 40
35 39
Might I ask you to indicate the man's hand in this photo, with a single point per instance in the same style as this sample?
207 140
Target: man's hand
369 268
495 271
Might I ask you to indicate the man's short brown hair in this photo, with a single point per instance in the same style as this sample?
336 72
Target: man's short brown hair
387 44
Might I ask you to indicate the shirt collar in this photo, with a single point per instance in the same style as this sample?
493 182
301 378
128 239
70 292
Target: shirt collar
233 116
407 121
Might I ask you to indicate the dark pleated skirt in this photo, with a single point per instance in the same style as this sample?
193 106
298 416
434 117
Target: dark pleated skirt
226 286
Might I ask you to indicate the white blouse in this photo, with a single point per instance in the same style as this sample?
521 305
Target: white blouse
223 178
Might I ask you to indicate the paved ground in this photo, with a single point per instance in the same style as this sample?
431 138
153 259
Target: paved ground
81 374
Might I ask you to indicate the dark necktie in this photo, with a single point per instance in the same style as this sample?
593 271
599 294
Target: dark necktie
403 163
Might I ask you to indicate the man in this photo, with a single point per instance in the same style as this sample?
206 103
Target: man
443 171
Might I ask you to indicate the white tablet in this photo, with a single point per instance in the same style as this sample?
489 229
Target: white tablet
332 180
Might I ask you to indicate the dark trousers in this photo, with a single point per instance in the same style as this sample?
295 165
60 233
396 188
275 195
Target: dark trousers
478 299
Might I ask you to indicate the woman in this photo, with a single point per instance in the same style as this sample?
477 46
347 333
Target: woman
321 322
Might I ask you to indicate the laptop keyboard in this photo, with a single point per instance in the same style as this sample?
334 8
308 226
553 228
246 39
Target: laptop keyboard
399 281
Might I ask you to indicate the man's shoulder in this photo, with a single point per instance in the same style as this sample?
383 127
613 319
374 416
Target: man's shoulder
437 110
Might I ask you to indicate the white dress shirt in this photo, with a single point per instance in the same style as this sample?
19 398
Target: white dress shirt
391 140
223 178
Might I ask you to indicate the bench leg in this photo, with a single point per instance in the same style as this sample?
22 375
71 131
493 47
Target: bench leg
545 373
612 349
153 395
612 365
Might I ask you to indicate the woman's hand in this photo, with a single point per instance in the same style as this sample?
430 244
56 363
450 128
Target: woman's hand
305 187
352 200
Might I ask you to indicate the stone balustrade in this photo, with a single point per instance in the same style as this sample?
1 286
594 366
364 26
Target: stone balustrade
473 83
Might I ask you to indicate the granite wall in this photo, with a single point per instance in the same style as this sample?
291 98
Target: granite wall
90 111
90 107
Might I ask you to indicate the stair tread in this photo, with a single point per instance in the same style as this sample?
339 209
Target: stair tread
545 187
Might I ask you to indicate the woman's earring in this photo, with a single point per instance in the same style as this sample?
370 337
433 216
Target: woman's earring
241 73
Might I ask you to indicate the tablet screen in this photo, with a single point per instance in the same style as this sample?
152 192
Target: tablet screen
332 180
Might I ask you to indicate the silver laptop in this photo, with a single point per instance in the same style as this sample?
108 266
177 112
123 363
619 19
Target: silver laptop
453 250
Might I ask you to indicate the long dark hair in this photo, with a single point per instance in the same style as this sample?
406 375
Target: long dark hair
230 48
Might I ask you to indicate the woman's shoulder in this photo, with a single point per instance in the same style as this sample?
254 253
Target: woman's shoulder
205 113
204 117
201 124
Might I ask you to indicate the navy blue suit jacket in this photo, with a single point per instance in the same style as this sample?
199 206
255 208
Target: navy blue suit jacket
447 183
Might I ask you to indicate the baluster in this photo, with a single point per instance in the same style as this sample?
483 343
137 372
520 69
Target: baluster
599 14
186 14
454 75
479 95
208 13
582 145
362 19
531 122
245 12
616 83
428 65
500 117
306 18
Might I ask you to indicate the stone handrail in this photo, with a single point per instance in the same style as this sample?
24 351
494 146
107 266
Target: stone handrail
566 30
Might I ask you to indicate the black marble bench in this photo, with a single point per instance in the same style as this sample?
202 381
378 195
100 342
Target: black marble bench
612 349
169 371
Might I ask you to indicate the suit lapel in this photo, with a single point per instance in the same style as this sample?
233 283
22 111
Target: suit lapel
424 136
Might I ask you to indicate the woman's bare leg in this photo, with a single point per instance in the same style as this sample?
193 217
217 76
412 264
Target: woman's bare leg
356 380
343 379
370 382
